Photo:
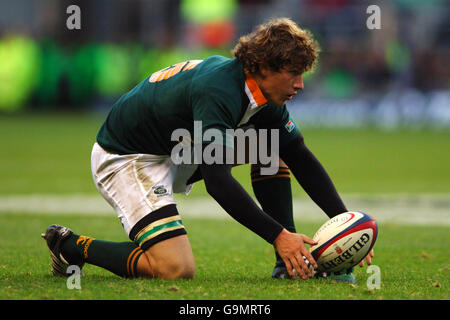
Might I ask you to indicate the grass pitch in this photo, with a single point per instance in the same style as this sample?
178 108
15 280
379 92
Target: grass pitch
51 155
413 261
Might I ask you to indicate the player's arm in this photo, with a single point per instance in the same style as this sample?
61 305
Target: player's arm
303 164
315 181
233 198
312 176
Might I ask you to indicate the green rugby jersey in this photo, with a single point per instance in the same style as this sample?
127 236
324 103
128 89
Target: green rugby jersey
215 91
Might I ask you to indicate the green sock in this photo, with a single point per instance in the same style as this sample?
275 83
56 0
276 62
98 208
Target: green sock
275 196
118 257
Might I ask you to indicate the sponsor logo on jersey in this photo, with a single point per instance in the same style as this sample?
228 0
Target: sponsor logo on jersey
85 242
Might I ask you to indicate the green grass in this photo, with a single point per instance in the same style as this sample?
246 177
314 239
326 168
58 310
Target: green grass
51 154
414 263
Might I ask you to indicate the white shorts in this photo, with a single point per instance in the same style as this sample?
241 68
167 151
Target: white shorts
140 188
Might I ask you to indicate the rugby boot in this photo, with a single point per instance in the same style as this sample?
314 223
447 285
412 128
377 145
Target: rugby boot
55 236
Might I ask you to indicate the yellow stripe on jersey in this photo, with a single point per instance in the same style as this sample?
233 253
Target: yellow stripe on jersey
169 72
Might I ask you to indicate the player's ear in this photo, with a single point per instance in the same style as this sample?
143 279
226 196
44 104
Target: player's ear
264 71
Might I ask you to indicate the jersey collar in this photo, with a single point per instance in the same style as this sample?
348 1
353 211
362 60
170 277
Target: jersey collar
253 92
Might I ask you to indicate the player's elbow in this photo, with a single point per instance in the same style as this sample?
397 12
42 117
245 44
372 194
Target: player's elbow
216 178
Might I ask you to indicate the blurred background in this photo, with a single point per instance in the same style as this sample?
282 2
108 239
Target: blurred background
375 111
397 75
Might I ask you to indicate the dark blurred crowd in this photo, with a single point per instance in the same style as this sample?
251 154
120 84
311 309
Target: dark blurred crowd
122 41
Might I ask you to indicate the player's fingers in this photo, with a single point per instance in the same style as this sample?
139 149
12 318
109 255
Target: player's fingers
369 259
303 265
289 267
310 258
308 240
298 268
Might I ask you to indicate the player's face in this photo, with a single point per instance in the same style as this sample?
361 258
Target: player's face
278 87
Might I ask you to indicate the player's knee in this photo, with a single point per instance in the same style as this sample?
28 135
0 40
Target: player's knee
172 258
187 272
175 270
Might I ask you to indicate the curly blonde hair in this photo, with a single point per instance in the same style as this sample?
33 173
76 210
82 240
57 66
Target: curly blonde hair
278 44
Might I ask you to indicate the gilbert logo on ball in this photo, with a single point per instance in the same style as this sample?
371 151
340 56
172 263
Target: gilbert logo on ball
344 241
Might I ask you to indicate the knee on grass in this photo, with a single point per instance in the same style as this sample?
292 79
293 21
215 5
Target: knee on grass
167 269
174 270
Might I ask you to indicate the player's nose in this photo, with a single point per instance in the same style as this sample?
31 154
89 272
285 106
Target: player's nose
298 83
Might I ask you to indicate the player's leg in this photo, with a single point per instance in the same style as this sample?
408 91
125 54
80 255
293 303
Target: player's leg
68 248
171 258
167 250
274 194
139 187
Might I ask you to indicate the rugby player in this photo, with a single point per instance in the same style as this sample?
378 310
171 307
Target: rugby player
134 170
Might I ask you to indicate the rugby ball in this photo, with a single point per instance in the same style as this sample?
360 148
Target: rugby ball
344 240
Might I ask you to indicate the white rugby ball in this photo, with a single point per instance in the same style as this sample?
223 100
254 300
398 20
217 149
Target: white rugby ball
344 240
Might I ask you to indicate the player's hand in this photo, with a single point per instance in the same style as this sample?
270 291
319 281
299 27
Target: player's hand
368 259
291 248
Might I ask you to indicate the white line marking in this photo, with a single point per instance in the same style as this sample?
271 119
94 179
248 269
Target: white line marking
423 209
